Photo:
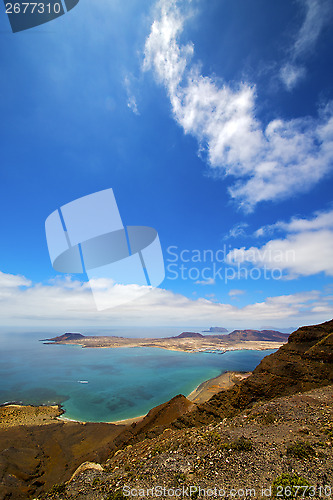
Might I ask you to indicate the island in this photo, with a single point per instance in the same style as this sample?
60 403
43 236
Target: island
185 341
216 329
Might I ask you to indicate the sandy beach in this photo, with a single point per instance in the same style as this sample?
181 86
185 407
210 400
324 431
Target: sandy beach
222 382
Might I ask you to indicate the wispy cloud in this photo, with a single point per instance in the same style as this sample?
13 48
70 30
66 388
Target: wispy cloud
131 99
267 163
66 302
210 281
235 293
291 75
317 14
237 230
306 249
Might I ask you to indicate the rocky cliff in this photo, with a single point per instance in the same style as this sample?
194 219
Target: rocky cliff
303 363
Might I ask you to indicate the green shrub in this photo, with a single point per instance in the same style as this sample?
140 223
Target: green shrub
212 437
240 444
290 486
301 450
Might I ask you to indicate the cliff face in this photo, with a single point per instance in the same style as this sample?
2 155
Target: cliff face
304 363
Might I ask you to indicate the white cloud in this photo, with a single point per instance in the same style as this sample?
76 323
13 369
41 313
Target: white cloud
291 75
66 302
303 254
235 293
131 100
305 250
268 163
317 14
237 231
321 220
210 281
9 281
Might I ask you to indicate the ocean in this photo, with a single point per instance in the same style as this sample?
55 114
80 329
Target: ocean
103 385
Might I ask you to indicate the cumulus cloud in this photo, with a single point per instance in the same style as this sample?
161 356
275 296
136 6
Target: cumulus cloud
317 14
320 220
67 302
266 162
306 249
9 281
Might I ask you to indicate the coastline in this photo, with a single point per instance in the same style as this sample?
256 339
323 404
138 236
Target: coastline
15 414
204 391
12 414
189 345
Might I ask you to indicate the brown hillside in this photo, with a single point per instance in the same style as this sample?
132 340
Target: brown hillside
257 335
304 363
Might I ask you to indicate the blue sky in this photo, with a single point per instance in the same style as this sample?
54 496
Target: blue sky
211 121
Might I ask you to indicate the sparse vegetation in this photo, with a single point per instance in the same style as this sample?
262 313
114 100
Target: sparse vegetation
240 444
301 450
180 478
213 437
290 485
57 489
159 448
268 418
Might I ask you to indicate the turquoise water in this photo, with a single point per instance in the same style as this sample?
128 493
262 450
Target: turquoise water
122 383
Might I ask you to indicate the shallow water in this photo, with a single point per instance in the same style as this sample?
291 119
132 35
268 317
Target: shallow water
105 384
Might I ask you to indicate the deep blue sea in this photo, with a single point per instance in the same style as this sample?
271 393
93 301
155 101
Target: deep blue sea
121 383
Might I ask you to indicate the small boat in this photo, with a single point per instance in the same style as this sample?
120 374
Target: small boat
83 381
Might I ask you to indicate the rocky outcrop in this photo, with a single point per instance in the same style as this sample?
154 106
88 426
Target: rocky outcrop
303 363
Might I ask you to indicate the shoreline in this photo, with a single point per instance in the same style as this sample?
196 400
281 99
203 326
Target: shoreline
14 414
237 346
208 388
